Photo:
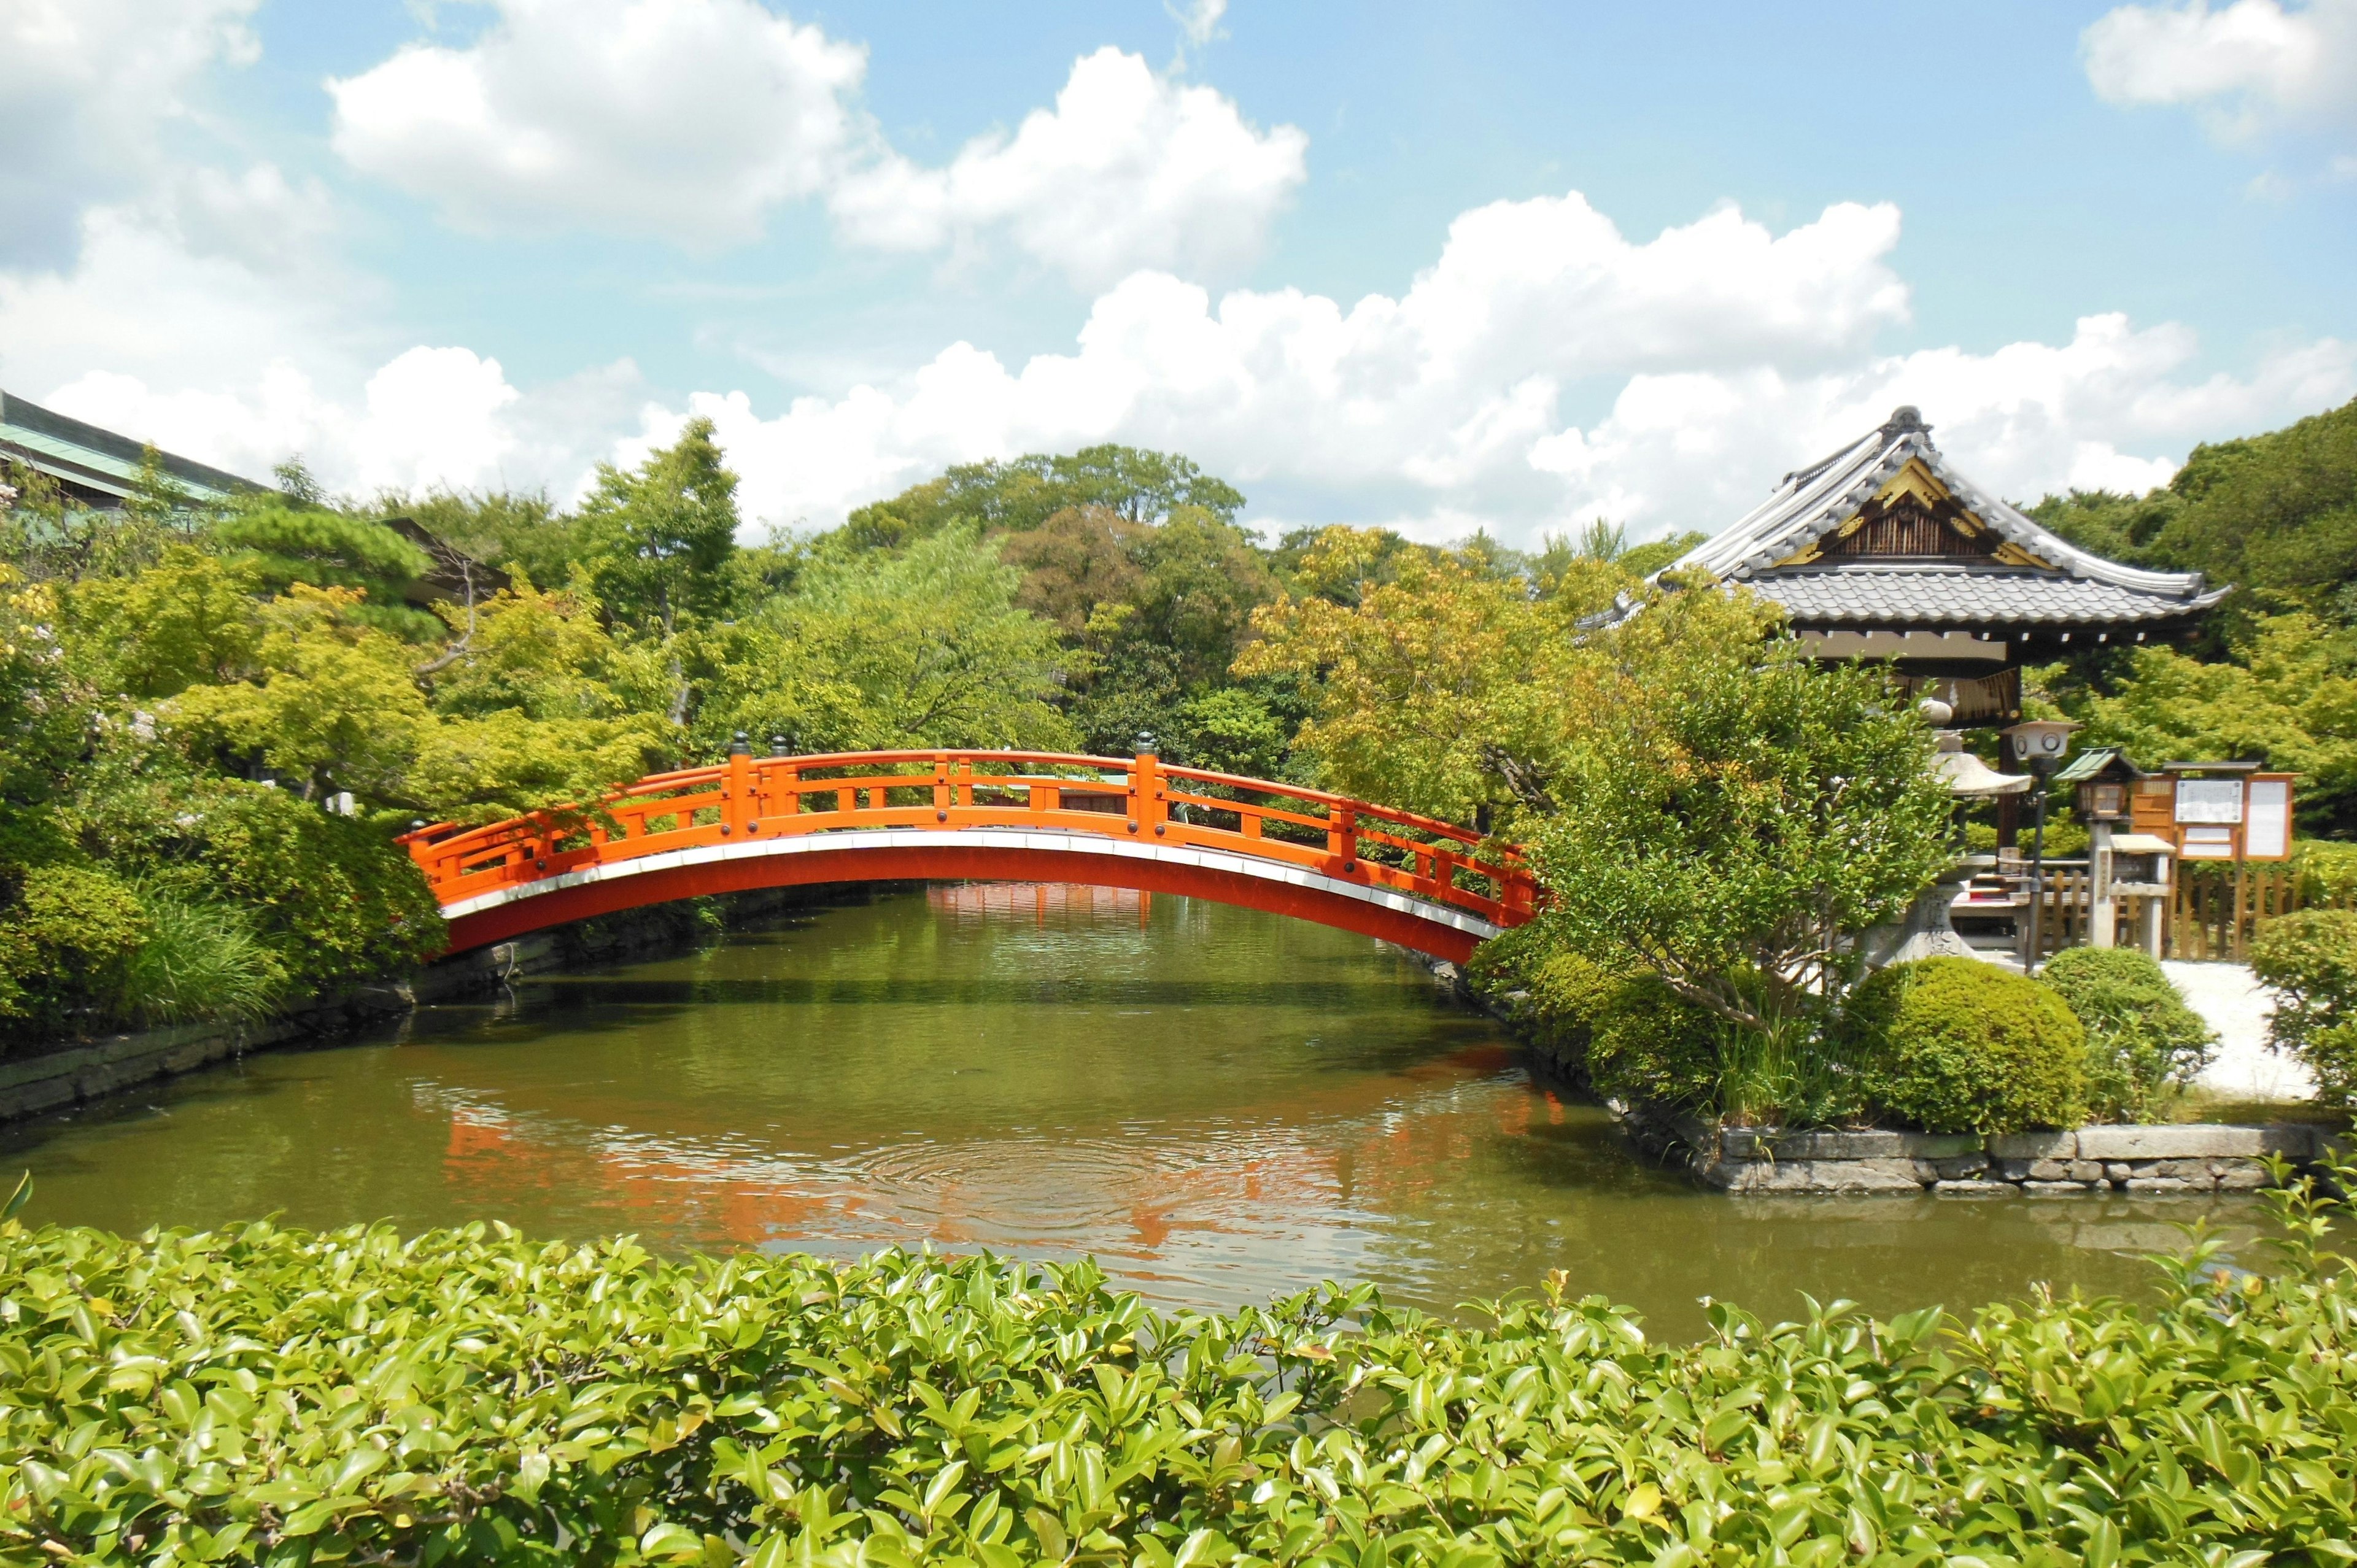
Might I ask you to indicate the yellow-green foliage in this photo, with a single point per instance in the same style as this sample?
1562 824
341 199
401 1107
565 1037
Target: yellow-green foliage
67 938
261 1395
2327 870
1953 1045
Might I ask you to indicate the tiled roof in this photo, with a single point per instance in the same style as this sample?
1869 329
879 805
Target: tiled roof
1926 594
81 453
1811 502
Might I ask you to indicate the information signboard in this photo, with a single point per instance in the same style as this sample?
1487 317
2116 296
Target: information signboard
2212 800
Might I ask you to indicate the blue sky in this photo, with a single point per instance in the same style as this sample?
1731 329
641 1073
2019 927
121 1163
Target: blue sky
1501 266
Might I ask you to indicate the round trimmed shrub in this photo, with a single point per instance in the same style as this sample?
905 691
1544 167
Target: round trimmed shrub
1953 1045
1646 1044
2142 1042
2310 959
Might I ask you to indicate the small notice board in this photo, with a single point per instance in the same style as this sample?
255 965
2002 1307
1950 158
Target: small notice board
2242 816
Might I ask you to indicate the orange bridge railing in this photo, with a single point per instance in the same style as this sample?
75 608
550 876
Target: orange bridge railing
1138 799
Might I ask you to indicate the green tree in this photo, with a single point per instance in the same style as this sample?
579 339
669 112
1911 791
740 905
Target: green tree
1138 486
1734 816
41 728
1432 683
281 545
657 543
2288 696
925 647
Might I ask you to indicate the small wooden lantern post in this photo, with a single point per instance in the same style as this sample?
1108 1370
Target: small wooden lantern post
2117 869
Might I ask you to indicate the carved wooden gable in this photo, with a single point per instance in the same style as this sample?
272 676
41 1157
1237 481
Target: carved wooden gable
1916 517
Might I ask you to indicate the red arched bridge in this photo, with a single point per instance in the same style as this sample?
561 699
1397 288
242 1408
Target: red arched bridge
980 816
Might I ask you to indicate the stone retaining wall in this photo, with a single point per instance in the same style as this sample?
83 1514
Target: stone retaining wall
2205 1158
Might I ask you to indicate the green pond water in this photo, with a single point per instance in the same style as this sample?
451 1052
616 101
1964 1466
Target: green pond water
1220 1105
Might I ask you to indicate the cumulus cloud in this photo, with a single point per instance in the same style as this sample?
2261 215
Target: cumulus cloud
87 88
1128 169
428 418
1738 354
189 286
1724 353
690 121
2250 66
681 120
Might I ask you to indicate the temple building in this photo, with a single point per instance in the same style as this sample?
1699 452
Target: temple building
97 468
1884 552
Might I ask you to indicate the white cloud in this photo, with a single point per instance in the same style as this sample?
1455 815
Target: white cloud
1200 21
1129 169
1739 355
430 418
185 289
86 89
683 119
1727 353
2250 66
690 121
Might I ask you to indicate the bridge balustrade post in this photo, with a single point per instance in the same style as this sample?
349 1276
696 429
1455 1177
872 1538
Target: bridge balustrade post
944 791
737 807
1148 796
1342 836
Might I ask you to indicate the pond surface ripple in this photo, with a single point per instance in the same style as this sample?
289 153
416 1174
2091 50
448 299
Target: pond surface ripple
1221 1105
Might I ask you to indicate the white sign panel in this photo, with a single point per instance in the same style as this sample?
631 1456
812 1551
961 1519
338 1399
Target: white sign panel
2207 843
2268 834
2210 800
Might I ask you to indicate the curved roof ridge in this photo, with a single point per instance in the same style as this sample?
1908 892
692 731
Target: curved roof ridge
1810 502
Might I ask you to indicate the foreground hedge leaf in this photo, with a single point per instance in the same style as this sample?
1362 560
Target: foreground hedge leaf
270 1396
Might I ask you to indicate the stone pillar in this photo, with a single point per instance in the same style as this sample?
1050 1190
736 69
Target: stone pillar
2103 911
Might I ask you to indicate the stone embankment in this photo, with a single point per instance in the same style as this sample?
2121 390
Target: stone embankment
2088 1161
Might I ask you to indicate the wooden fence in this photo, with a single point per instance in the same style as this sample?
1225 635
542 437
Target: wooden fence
2214 909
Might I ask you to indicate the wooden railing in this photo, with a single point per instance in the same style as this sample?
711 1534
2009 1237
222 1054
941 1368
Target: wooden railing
1138 799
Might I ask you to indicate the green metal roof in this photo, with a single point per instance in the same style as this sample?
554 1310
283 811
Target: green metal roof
2093 763
82 454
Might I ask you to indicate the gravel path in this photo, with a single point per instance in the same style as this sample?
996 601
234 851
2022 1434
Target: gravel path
2238 1007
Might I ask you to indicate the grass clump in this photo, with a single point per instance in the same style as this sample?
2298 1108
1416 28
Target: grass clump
265 1395
200 960
1953 1045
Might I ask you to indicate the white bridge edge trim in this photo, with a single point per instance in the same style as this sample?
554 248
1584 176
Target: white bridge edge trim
980 838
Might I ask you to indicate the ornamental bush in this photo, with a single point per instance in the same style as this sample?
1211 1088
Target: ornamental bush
1953 1045
263 1396
2144 1044
2310 961
1629 1038
68 935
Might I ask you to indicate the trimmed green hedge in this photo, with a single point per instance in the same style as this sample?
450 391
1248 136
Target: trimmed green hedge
2310 960
265 1395
2144 1044
1953 1045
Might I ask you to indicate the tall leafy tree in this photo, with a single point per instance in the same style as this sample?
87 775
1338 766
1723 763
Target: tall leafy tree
658 541
1433 683
1017 496
924 647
